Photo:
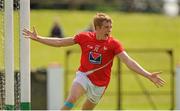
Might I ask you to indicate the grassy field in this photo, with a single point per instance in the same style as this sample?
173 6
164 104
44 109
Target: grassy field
135 31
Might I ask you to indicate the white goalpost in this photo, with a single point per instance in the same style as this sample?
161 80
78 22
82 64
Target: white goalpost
25 56
9 54
25 78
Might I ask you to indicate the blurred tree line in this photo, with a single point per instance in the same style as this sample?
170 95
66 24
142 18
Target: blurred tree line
154 6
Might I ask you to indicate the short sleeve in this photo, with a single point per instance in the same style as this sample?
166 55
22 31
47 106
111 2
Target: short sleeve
79 38
118 47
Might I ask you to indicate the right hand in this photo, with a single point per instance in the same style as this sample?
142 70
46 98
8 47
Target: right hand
30 34
156 79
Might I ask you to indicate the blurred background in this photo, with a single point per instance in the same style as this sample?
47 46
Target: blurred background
148 29
147 6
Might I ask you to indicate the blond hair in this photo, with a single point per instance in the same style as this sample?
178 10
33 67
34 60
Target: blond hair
99 18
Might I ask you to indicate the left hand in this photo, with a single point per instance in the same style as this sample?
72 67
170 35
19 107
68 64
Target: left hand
30 34
156 79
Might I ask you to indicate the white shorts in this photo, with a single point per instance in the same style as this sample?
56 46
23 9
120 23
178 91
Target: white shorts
93 92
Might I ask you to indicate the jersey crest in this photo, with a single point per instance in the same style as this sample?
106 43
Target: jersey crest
95 58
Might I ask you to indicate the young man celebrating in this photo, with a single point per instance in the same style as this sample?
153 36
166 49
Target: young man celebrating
98 50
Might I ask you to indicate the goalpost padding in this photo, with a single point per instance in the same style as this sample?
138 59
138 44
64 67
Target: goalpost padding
178 87
55 87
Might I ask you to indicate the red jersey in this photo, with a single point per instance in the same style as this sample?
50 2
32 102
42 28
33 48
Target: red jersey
95 54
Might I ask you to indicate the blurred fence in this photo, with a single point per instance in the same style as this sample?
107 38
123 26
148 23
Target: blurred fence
38 89
154 98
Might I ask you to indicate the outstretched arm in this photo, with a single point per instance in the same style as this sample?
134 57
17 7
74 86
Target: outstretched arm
133 65
56 42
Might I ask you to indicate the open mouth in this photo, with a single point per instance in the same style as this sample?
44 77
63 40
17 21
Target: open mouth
106 34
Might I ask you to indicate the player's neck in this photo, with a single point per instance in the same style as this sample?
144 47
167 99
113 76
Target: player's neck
101 37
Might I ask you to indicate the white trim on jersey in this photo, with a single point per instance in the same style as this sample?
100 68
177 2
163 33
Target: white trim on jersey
93 70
